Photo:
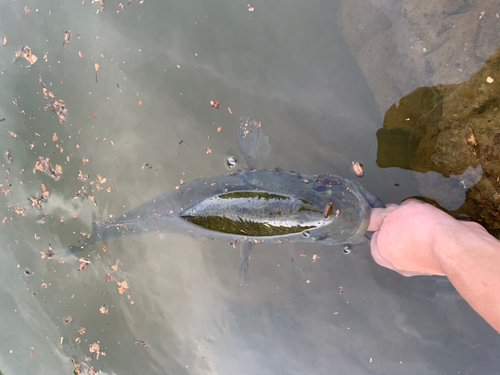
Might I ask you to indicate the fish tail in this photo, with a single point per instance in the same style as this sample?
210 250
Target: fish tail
106 230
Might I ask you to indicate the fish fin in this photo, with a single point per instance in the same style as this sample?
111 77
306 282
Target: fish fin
252 142
245 249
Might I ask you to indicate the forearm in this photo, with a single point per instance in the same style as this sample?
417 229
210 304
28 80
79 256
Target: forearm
470 258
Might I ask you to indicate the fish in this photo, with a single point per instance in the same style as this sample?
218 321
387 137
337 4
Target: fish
252 206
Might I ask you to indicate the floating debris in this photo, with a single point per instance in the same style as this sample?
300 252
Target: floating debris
101 2
84 263
104 309
18 211
358 170
328 210
25 52
94 348
35 202
123 286
48 254
58 107
82 177
42 164
215 104
67 37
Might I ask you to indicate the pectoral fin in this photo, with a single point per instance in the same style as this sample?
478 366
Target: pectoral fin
245 249
253 144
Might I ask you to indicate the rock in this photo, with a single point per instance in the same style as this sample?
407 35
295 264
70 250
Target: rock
448 129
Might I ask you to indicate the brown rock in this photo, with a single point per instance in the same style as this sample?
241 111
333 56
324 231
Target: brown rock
447 129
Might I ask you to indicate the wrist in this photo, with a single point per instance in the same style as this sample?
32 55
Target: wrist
460 241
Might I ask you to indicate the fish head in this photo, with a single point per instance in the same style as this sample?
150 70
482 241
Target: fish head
346 211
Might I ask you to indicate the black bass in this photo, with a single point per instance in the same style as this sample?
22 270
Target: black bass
253 206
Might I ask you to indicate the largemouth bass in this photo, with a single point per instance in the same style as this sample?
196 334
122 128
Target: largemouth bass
253 206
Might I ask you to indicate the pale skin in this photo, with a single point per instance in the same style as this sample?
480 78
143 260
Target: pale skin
415 238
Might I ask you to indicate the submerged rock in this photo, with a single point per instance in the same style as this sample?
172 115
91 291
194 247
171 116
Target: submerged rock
448 129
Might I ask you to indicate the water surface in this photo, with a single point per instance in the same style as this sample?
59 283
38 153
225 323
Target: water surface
142 117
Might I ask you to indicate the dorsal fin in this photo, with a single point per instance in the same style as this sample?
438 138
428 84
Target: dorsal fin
252 142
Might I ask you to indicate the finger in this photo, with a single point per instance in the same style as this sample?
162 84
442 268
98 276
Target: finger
377 257
377 216
381 261
412 201
389 205
411 274
474 226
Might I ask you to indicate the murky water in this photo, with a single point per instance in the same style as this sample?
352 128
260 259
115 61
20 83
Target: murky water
137 82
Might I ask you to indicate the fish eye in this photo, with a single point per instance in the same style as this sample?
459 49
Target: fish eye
306 233
230 162
346 249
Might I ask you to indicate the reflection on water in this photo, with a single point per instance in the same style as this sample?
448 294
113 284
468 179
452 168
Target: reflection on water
136 83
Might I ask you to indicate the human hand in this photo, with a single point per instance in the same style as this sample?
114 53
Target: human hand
407 236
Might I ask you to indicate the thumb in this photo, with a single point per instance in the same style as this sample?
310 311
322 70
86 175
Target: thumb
377 216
